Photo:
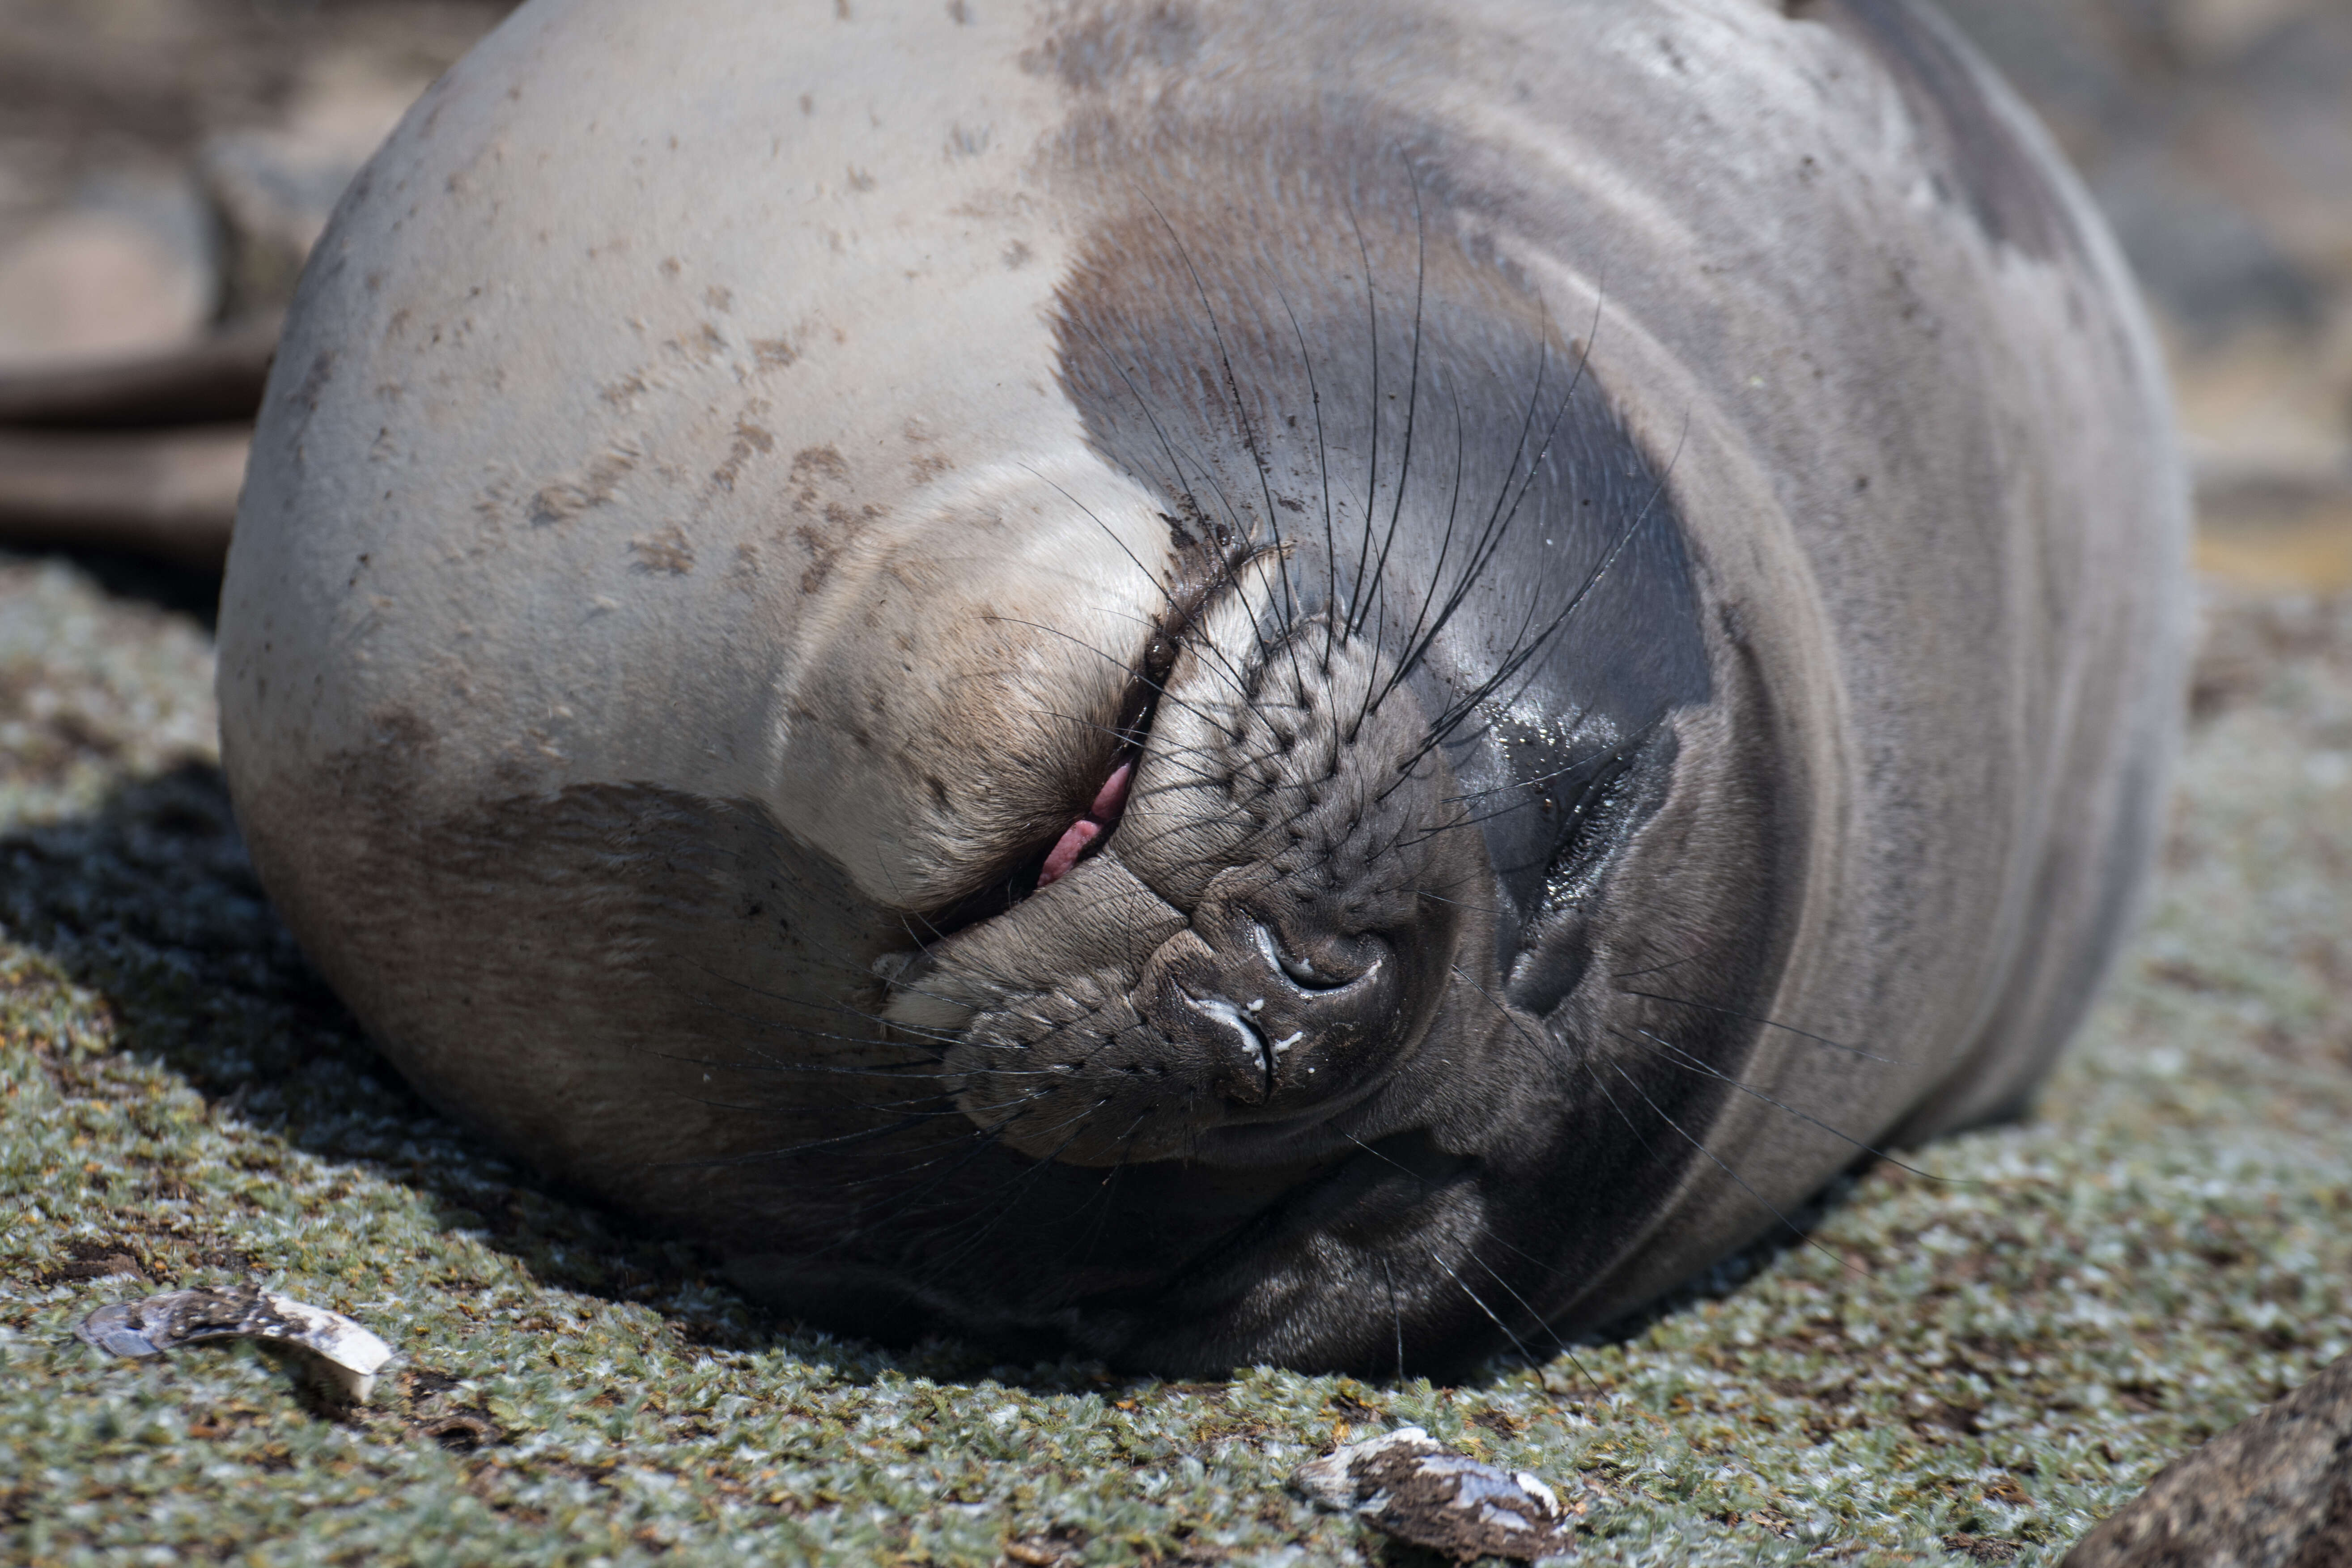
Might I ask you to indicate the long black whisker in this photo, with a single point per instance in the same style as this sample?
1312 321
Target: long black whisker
1697 1064
1404 463
1396 1316
1357 592
1795 1230
1756 1018
1541 1321
1521 1345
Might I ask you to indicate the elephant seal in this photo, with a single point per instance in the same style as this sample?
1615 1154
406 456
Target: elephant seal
1269 681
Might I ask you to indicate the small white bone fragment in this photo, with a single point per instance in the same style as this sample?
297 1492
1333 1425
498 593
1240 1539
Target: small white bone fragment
344 1356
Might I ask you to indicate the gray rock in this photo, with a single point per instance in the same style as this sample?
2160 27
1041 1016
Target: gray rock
275 191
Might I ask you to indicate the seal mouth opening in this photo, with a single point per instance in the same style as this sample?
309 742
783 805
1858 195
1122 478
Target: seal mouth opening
1042 863
1206 575
1100 818
1048 860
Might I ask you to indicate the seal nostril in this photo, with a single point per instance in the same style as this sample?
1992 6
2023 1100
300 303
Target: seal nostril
1254 1044
1301 973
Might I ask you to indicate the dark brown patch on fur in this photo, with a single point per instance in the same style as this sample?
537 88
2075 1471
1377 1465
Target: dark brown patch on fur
816 470
566 499
619 912
1093 46
750 441
665 550
314 380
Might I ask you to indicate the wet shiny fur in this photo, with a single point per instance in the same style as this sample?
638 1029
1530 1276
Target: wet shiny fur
1630 552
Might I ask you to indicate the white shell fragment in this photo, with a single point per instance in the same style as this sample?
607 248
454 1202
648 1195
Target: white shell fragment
1409 1485
344 1356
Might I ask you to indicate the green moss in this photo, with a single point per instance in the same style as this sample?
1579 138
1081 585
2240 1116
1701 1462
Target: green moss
1994 1353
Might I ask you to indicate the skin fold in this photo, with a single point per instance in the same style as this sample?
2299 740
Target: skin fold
1212 683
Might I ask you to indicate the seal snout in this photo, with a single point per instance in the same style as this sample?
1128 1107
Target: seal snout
1285 1019
1293 1008
1262 946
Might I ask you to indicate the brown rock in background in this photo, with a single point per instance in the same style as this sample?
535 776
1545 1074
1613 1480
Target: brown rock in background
2275 1491
123 270
165 168
169 495
2216 134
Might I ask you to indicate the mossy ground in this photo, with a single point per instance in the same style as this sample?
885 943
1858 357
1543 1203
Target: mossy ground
1977 1359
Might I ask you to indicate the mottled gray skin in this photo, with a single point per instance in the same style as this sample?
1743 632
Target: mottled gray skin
1634 548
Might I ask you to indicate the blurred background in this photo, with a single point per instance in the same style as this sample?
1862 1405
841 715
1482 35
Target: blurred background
165 165
2218 136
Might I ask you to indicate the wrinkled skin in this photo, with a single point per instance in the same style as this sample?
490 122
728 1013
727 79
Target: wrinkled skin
1265 682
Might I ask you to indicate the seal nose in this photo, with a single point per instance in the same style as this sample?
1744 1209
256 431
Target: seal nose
1256 1046
1283 1019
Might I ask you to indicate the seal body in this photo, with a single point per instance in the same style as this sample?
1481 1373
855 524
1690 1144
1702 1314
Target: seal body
1233 682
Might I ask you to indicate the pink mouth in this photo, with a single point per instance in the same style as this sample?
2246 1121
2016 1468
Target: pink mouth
1109 801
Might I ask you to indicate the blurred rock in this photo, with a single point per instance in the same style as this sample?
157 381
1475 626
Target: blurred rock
2217 135
2275 1491
169 495
130 266
275 188
276 194
100 77
217 377
122 418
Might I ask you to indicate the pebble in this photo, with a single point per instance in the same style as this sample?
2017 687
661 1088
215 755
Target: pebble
1411 1486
